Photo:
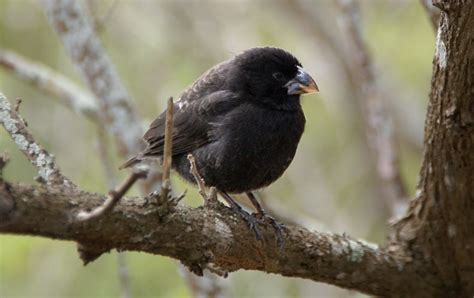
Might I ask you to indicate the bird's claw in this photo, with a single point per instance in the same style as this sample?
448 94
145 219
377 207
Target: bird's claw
251 221
278 227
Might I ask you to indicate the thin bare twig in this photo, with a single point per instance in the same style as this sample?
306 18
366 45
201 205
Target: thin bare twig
4 159
17 105
39 157
50 82
210 198
378 124
199 180
167 153
114 196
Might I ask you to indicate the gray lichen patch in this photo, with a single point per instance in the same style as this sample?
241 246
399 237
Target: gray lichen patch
356 251
38 157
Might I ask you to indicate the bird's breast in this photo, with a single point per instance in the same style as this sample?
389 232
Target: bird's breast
253 147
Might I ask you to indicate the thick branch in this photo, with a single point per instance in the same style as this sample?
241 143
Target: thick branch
211 238
16 128
440 224
51 83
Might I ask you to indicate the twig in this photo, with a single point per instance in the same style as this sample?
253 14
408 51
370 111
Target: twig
167 154
50 82
17 105
378 124
4 159
199 180
209 285
39 157
17 110
210 198
114 196
124 275
433 12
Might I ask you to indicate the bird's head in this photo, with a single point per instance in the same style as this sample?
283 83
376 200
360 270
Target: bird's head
272 74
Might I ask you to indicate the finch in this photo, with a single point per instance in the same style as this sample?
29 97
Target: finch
242 121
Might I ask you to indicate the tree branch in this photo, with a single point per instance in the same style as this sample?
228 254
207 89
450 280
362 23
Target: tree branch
51 82
378 124
76 31
167 153
39 157
217 239
440 224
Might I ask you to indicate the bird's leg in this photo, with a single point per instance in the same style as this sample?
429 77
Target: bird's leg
261 214
251 221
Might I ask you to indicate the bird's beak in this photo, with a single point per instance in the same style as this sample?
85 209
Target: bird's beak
302 83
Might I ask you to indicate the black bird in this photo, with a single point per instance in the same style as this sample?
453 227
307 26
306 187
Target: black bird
242 121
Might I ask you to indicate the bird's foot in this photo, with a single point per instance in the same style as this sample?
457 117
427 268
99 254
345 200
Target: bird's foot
251 221
278 227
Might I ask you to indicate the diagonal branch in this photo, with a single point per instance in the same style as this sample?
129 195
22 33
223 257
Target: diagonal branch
39 157
50 82
76 31
118 114
114 197
378 124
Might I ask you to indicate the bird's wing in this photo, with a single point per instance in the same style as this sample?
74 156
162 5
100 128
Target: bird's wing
192 123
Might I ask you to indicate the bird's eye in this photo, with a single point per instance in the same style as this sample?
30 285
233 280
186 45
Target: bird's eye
278 76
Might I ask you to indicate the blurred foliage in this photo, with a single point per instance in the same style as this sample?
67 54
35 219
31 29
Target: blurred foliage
159 48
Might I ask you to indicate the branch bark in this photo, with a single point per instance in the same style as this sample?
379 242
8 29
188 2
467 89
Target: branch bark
439 225
211 238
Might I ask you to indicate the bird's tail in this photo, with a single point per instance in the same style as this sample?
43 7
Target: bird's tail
131 162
